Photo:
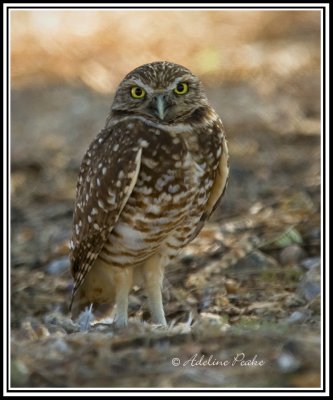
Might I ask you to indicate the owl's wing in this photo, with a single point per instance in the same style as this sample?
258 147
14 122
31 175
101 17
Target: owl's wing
107 177
221 178
220 182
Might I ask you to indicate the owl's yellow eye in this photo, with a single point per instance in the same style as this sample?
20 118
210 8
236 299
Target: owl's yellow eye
137 92
181 88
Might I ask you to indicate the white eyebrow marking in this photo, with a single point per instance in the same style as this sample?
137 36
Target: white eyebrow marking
176 81
172 85
138 82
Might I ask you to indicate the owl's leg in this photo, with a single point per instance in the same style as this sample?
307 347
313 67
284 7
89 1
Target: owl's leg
123 279
153 272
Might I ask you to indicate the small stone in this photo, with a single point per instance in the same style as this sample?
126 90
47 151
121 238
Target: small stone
254 262
314 234
310 290
232 286
296 317
287 362
291 254
309 287
57 267
311 262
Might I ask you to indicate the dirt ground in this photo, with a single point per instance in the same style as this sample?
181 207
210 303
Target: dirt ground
243 301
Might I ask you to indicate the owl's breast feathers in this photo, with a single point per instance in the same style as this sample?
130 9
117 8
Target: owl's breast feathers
144 186
168 205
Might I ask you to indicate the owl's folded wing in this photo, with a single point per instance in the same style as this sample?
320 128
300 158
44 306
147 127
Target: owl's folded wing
108 174
221 179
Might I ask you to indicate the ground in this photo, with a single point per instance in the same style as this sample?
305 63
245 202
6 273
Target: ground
243 301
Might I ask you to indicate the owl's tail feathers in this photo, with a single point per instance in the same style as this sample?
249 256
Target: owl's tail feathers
72 300
74 305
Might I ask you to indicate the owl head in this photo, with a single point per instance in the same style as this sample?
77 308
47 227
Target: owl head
161 91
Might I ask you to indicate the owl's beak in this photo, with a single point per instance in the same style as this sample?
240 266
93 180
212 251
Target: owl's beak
159 105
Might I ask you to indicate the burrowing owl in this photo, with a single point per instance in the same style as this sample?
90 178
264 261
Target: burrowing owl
147 184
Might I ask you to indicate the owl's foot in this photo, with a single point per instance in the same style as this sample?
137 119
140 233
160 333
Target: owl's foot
153 273
123 279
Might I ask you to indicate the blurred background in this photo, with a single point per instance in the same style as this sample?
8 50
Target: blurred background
261 70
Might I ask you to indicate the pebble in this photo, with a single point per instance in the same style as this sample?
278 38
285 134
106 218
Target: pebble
314 235
232 286
287 362
309 287
57 267
310 290
254 262
311 262
291 254
296 317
